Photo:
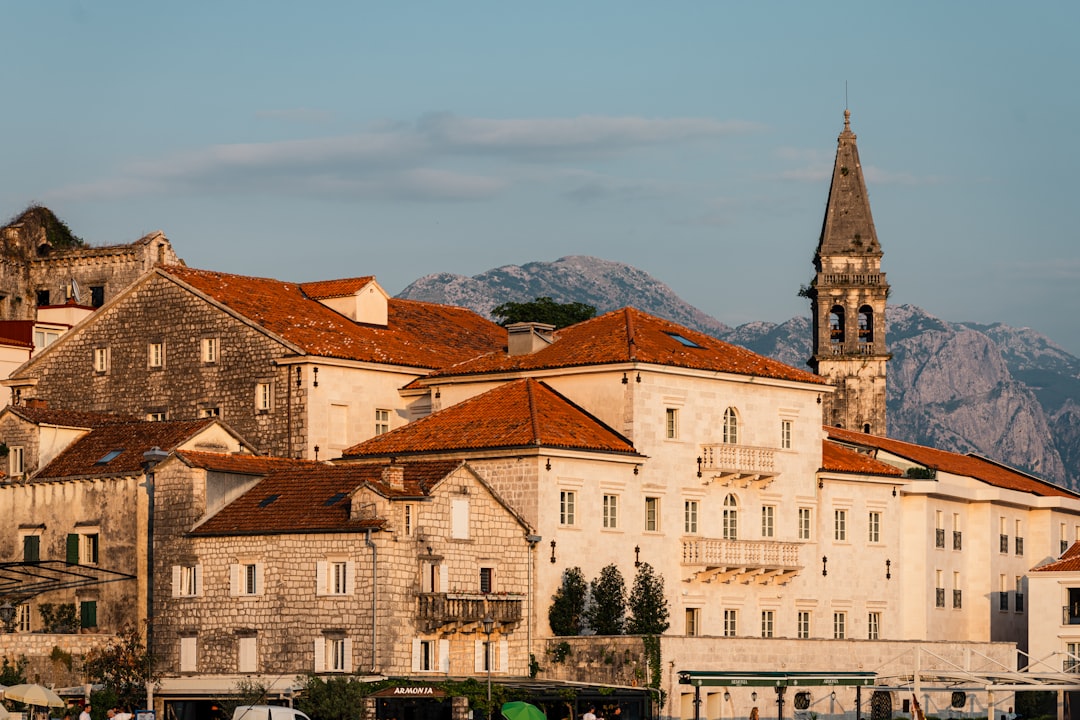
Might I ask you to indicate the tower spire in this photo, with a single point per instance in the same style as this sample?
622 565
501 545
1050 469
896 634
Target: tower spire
848 297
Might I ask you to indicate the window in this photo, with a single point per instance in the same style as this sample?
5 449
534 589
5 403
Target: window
767 618
262 397
187 580
433 655
333 653
485 653
334 576
802 625
188 654
15 461
957 597
1019 539
209 412
785 434
671 431
210 350
382 421
839 625
690 516
874 527
1019 593
1003 536
156 416
155 355
804 523
611 511
567 503
407 520
42 298
459 521
1072 658
652 514
101 360
731 426
730 518
339 577
873 626
22 618
840 525
731 623
427 655
45 338
247 660
487 579
939 589
336 655
97 295
82 549
693 620
768 515
1003 594
31 548
246 578
88 614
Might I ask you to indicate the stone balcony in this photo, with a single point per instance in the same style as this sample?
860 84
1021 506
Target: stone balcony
737 465
762 562
436 611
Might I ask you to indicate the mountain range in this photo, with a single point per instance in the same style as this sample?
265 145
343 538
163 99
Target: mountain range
1008 394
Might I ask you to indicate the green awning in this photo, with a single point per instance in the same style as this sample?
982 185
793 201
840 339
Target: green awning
774 679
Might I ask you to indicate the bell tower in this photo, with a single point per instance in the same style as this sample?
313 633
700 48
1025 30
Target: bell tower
847 300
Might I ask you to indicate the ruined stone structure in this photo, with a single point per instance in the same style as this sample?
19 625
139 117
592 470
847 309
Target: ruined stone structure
847 300
41 264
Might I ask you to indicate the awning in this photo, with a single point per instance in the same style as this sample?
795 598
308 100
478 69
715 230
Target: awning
698 678
20 581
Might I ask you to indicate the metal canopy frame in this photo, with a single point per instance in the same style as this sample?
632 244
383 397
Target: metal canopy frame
20 581
700 678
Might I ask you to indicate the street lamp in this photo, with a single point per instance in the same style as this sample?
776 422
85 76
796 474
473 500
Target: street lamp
7 616
489 625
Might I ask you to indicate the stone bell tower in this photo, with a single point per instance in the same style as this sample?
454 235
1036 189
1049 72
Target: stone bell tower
847 300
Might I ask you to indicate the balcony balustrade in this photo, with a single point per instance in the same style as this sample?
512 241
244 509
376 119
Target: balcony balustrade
742 465
746 561
437 610
1070 615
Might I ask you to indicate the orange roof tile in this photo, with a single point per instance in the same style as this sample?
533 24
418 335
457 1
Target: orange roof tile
418 334
630 335
117 448
323 289
971 466
835 458
68 418
306 496
1068 562
522 413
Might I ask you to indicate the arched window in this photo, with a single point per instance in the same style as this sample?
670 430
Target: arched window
836 324
866 428
731 426
866 324
731 518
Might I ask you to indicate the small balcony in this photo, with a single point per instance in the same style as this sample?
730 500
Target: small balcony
739 465
1070 615
761 562
435 611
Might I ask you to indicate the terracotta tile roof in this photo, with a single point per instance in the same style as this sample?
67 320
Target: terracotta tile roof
68 418
93 454
522 413
17 332
835 458
630 335
417 334
335 288
306 496
1068 562
971 466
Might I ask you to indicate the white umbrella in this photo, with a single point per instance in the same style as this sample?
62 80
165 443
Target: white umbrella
31 694
3 713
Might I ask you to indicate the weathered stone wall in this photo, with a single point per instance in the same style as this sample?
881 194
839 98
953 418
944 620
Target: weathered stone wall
52 660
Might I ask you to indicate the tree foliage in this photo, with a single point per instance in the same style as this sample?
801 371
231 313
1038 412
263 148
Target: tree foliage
123 666
335 698
544 310
648 606
13 673
568 604
606 613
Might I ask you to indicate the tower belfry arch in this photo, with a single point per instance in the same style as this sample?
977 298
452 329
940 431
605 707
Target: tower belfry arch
847 299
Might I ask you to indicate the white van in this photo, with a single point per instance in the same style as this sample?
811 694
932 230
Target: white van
267 712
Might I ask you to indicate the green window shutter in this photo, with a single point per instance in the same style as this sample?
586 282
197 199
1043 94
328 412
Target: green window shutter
73 549
88 614
31 548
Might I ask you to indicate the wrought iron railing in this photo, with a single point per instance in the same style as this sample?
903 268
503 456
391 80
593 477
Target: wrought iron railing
939 537
957 540
1070 615
434 610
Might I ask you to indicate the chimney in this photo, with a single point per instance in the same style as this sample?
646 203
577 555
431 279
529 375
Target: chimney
394 476
525 338
36 403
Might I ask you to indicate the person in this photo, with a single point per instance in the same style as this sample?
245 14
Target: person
122 714
754 713
590 714
85 714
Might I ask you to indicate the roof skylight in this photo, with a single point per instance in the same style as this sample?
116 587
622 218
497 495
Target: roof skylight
109 457
267 500
685 341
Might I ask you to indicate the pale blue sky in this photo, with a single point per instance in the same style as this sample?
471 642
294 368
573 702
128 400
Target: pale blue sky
693 140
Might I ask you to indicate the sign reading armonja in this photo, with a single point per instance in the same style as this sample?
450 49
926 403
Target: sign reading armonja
401 691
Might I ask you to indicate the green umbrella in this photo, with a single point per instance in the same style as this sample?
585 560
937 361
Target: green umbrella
518 710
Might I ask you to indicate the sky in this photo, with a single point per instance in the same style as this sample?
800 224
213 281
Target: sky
693 140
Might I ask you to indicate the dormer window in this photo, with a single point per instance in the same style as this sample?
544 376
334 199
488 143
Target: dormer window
109 457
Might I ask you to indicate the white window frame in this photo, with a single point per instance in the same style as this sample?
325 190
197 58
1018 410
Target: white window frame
839 620
155 355
768 521
693 622
263 397
873 625
806 525
652 514
611 512
671 423
408 521
187 581
731 623
89 547
333 654
16 461
840 525
729 529
768 623
567 507
101 360
731 426
690 516
210 350
335 576
156 416
23 618
210 412
873 533
803 621
382 421
785 434
246 579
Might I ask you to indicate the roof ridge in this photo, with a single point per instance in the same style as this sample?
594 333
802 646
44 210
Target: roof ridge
533 416
631 348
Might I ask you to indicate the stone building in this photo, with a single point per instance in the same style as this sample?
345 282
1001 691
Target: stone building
300 370
271 569
42 264
847 299
75 494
